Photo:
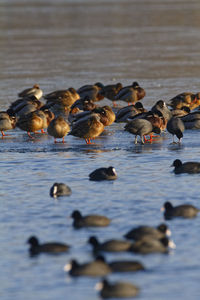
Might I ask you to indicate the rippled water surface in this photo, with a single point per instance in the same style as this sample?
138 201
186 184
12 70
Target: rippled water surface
66 43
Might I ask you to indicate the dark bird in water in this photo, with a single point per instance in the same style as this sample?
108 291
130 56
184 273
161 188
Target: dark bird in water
103 174
52 247
190 167
117 289
60 189
184 211
89 220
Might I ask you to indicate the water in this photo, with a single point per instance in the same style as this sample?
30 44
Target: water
59 44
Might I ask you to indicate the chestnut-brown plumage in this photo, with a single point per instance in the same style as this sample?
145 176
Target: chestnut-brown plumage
7 122
131 94
94 92
34 121
58 128
88 127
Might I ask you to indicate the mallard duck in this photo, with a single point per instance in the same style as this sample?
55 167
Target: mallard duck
185 110
34 121
83 104
141 127
190 167
183 211
94 92
7 122
107 116
34 91
185 99
58 128
52 247
63 97
117 290
175 126
111 90
131 94
88 127
192 120
129 111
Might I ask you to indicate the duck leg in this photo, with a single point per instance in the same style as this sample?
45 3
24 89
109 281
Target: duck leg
30 135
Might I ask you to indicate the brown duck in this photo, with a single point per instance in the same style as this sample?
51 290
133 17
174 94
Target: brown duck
58 128
87 128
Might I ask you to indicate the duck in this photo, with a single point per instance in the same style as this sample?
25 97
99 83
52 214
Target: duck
103 174
51 247
176 127
106 114
92 269
109 246
191 120
25 105
141 127
148 245
88 220
185 99
187 167
94 92
140 232
34 121
88 128
161 106
64 98
60 189
33 91
58 128
7 122
84 104
183 211
123 265
131 94
185 110
117 290
111 90
129 111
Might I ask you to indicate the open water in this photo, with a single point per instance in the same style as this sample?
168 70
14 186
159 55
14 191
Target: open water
64 43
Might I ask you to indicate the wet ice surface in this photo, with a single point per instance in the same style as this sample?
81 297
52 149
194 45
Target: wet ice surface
71 43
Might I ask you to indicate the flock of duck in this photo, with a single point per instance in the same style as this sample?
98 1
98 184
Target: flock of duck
76 113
